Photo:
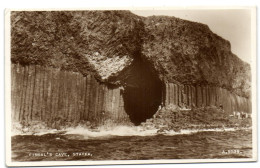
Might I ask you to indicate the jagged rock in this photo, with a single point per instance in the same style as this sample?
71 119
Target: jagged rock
107 42
196 118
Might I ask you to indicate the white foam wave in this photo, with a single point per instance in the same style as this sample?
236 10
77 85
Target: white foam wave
36 129
187 131
111 131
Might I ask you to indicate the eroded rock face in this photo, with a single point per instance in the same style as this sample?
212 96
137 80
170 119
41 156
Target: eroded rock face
64 98
106 66
81 41
106 43
189 53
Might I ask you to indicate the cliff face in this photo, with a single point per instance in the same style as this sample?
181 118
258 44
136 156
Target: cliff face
106 42
61 98
99 65
97 42
189 53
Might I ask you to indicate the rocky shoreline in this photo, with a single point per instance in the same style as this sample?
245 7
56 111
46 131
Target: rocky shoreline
172 118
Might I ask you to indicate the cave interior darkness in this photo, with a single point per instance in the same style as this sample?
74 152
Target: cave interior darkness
143 92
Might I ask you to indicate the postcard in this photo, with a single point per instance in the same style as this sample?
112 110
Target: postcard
130 86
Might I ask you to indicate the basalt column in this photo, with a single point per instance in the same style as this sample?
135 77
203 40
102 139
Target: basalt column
142 92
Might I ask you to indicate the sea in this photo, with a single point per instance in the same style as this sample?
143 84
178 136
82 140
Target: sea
131 143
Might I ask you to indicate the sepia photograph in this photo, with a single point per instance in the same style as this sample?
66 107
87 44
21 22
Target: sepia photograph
117 86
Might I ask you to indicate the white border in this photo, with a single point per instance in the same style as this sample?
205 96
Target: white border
7 86
52 163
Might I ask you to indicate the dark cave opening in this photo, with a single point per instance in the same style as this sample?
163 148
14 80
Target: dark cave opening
142 92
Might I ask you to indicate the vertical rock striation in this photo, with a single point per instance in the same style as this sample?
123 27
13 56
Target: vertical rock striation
73 66
202 96
50 95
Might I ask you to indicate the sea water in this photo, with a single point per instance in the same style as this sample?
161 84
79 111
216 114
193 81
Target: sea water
131 143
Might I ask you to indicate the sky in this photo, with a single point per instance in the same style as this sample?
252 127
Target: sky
233 25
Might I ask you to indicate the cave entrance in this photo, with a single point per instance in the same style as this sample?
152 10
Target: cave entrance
142 92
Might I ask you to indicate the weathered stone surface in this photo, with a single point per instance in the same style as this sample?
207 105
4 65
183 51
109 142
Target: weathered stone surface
65 96
188 52
97 65
106 42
